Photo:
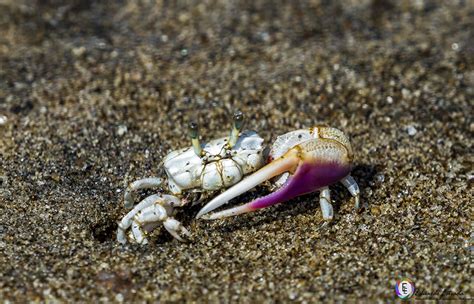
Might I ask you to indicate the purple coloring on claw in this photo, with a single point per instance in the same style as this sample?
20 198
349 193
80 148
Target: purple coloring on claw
308 178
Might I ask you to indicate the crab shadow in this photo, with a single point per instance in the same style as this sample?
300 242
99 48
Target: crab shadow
305 204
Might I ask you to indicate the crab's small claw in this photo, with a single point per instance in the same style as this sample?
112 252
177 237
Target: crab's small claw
313 165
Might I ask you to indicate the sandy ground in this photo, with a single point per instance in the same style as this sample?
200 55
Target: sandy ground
93 95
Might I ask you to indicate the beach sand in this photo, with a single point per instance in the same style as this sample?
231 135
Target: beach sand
94 94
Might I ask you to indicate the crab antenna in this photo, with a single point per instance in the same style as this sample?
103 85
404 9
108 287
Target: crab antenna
236 128
194 134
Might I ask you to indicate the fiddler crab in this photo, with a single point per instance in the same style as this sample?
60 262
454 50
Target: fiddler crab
299 162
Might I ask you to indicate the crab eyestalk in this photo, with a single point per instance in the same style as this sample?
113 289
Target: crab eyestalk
236 128
194 134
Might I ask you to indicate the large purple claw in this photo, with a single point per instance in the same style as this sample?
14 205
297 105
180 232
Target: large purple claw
314 164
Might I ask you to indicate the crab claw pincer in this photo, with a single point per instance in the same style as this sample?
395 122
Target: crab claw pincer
313 165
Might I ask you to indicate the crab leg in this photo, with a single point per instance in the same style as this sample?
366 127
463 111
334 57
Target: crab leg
127 220
147 215
144 183
351 185
315 163
325 203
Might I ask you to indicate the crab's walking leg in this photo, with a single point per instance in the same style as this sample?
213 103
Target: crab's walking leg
144 183
151 216
127 220
351 185
147 215
175 228
325 203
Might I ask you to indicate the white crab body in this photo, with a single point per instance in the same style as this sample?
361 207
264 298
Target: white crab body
202 168
218 167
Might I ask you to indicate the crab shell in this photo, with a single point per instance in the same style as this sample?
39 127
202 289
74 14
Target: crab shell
219 166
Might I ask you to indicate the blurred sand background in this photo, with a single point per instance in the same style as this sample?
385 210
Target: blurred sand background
94 94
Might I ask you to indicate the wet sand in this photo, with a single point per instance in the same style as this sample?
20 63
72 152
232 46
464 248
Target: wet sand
95 94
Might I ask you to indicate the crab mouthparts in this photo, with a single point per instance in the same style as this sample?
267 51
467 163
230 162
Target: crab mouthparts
309 176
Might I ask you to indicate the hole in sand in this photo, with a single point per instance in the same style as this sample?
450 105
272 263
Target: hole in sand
105 231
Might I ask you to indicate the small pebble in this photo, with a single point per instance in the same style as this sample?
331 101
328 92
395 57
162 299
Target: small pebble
78 51
380 178
411 130
3 120
375 210
122 130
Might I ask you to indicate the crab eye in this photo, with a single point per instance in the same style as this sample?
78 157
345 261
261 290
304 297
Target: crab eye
193 130
236 127
238 120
